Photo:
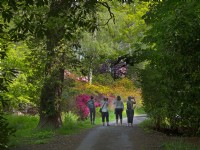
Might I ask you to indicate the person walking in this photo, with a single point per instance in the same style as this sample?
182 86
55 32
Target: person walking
119 107
130 110
104 112
92 109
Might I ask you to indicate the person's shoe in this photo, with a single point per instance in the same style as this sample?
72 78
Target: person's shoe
108 125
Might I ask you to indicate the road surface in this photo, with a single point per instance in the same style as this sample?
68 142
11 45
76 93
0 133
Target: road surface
115 137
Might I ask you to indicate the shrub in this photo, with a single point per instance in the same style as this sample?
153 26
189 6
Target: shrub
104 79
81 103
5 132
70 120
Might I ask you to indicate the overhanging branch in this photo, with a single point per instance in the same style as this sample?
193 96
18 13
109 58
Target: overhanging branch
105 4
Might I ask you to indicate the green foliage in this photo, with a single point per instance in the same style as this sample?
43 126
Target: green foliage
17 57
139 110
104 79
118 38
6 77
125 82
5 133
22 122
26 131
70 121
170 81
147 125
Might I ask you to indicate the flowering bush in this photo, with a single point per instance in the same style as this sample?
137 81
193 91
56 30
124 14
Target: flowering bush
81 103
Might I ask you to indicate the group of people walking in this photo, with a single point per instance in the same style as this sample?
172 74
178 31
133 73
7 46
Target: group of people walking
118 108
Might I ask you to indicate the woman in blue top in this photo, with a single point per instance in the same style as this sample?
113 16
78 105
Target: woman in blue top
92 109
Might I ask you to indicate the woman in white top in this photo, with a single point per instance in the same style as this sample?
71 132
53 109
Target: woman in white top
105 114
119 107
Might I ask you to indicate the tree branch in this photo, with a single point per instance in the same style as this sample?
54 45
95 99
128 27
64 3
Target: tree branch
105 4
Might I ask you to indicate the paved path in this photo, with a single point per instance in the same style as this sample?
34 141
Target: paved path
112 137
105 138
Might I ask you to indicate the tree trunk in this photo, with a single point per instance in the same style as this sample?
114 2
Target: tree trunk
90 76
50 109
50 100
158 122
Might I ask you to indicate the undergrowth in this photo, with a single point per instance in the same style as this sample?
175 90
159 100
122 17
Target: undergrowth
177 144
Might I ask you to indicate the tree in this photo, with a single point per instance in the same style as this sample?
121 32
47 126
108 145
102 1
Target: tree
6 77
117 43
53 22
94 51
173 40
63 20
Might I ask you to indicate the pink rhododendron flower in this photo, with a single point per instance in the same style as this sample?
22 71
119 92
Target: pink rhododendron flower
97 104
81 103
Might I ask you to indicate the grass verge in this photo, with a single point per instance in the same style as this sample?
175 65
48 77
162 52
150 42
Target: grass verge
179 144
27 132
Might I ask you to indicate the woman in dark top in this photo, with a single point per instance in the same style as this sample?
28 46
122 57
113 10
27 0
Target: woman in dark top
130 110
92 109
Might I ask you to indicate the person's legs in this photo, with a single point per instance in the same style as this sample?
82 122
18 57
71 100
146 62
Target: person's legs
103 118
107 118
132 116
120 115
93 116
128 117
116 114
116 121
